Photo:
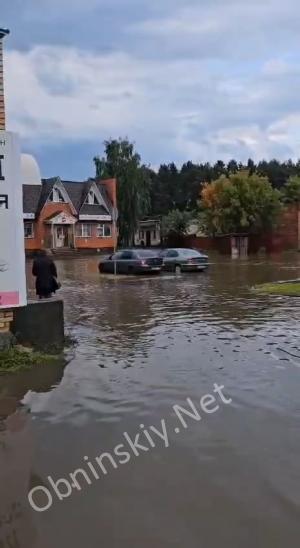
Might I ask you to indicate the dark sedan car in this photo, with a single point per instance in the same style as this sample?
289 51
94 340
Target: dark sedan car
184 260
132 261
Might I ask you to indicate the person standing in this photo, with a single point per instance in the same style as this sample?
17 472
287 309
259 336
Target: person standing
45 272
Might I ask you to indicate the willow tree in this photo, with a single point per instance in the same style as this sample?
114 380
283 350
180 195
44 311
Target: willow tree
239 203
122 162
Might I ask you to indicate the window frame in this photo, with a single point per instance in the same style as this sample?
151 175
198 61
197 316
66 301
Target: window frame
104 226
58 193
26 224
91 198
80 228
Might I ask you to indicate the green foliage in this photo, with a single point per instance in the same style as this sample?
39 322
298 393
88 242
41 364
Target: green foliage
14 359
291 289
175 223
133 184
291 191
239 203
173 187
142 190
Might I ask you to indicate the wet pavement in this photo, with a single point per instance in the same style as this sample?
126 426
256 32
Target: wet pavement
142 346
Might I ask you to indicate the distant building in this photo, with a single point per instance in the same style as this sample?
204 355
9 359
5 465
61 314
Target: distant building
62 215
148 232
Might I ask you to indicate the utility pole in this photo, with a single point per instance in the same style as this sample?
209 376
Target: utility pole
115 232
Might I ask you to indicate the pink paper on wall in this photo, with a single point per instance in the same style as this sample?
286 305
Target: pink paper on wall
9 298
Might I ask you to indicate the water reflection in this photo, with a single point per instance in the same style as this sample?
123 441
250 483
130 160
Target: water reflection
17 527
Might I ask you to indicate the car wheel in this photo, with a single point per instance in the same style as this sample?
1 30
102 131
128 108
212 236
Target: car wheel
177 269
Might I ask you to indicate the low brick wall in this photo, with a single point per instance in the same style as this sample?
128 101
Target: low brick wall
285 236
6 317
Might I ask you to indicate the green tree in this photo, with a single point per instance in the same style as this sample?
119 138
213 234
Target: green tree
239 203
232 166
122 162
176 223
291 191
251 167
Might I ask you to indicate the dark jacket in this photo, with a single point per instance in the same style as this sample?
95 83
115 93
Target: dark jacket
44 270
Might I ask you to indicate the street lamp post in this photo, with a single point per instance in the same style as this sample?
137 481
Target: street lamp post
115 231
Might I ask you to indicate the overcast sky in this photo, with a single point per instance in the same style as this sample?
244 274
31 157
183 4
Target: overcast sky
186 80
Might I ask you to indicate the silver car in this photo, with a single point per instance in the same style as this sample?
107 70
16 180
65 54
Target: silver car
184 260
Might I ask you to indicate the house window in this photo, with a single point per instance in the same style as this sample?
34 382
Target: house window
104 231
141 234
56 196
91 198
84 230
28 230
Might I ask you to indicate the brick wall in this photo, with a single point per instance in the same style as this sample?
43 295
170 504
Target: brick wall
42 230
94 242
43 237
285 236
6 317
288 230
111 187
2 107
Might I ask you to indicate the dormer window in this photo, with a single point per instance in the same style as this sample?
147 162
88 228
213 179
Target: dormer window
91 198
56 196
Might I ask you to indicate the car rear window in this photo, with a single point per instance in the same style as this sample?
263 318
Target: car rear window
189 252
147 254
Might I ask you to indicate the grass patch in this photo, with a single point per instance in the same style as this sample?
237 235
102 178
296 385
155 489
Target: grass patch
16 359
290 289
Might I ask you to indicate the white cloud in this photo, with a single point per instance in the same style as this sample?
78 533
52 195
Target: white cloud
44 8
61 93
227 29
64 93
173 109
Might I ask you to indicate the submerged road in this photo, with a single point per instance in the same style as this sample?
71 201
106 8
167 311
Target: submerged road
208 473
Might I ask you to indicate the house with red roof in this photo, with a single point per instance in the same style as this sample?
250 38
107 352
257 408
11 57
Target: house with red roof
66 215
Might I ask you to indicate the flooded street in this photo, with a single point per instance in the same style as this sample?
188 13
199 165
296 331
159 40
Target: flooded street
143 345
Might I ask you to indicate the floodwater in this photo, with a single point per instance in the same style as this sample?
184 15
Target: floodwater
142 346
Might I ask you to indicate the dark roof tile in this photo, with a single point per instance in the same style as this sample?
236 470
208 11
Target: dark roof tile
35 196
96 209
76 192
47 186
31 197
